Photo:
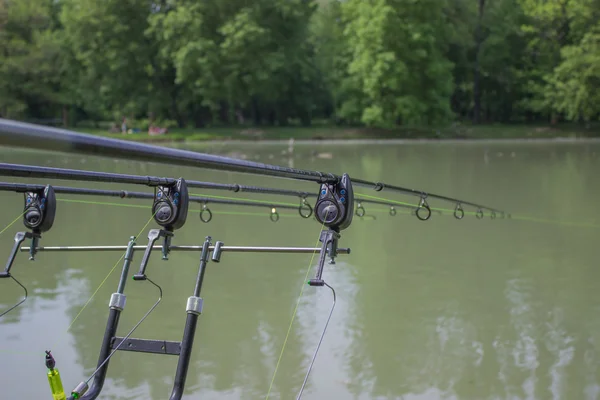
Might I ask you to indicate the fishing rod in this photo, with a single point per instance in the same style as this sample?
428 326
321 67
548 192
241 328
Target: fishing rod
205 214
30 171
22 134
305 210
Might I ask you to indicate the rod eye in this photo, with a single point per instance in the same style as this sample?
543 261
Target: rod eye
392 211
308 211
205 214
493 214
423 215
274 215
479 213
459 213
360 210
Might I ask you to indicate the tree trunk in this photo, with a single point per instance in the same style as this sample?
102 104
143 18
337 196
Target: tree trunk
65 116
476 73
256 118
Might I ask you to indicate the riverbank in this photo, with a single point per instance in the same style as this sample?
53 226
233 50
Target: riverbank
315 133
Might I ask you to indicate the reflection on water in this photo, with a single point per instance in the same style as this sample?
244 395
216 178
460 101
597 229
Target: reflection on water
443 309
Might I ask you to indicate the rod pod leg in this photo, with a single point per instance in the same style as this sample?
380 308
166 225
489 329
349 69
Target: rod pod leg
116 305
193 309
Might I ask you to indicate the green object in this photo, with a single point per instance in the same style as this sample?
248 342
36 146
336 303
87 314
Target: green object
56 386
54 380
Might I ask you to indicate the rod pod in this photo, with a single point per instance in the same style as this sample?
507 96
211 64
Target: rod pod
182 349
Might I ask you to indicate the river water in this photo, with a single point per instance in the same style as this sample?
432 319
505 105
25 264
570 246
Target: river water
442 309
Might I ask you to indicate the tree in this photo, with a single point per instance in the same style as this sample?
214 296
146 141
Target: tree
31 68
574 84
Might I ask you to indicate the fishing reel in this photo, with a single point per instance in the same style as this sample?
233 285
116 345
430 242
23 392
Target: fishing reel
171 205
170 210
335 204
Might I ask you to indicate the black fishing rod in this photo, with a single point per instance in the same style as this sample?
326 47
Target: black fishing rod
32 171
305 210
22 134
205 213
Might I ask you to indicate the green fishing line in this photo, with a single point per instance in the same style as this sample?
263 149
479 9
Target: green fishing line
408 204
512 216
12 223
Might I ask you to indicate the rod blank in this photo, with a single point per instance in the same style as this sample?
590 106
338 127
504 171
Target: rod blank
22 134
22 188
234 249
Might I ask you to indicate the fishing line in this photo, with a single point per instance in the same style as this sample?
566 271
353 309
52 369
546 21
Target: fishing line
102 203
293 316
20 302
97 289
479 215
312 362
107 276
549 221
19 283
131 331
12 223
410 204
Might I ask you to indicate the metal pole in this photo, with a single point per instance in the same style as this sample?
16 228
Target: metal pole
233 249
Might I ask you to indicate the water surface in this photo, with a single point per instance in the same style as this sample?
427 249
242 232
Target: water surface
443 309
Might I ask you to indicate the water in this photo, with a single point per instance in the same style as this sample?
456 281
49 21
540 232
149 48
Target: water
443 309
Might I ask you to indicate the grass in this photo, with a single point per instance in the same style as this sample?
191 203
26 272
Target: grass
500 131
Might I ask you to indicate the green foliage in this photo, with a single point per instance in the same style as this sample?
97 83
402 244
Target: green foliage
575 83
30 67
373 63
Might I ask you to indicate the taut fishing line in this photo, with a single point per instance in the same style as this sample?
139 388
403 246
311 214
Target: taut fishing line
106 278
130 332
14 279
93 294
20 302
293 317
314 357
12 223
